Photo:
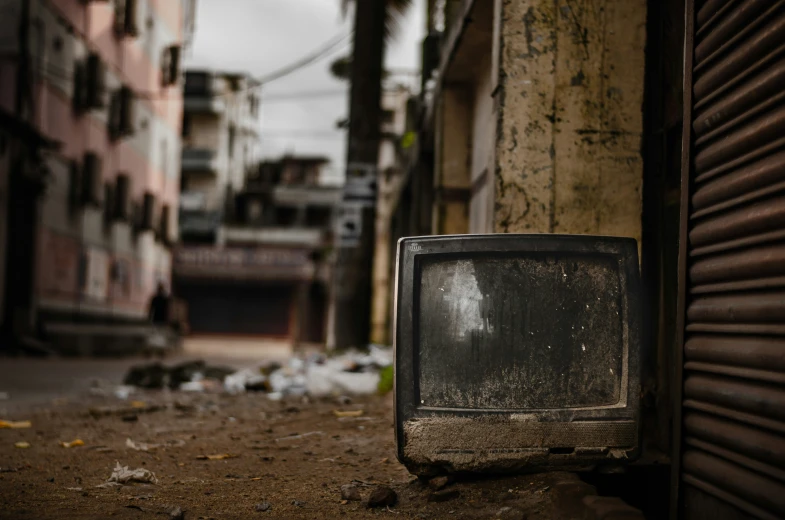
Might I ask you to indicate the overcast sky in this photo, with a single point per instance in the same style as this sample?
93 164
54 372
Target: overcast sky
261 36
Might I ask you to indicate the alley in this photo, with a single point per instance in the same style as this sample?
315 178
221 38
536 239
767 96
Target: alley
284 459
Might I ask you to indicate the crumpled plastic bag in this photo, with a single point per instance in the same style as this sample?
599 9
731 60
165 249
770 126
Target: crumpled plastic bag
330 379
241 380
123 475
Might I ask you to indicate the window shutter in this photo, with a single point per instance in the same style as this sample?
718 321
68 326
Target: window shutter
79 98
131 26
95 81
119 17
122 209
174 64
165 228
148 212
115 113
126 111
74 186
91 179
109 203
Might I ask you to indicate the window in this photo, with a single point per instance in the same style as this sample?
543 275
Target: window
125 14
186 130
122 198
91 180
388 117
95 79
232 132
170 65
121 113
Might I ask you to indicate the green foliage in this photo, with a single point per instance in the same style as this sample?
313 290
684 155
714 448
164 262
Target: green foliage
386 380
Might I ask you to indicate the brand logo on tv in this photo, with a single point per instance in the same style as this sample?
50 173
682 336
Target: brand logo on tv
415 247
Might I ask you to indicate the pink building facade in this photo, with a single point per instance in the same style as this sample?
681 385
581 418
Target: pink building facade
104 82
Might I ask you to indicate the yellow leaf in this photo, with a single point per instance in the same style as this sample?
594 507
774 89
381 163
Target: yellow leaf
219 456
15 424
22 444
348 413
74 443
138 404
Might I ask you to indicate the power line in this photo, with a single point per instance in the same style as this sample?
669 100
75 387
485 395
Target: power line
321 52
305 94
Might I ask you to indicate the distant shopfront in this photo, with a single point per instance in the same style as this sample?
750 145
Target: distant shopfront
250 292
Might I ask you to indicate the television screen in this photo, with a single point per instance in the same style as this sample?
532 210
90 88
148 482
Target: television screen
534 334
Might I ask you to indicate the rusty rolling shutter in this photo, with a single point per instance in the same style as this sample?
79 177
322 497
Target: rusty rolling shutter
733 409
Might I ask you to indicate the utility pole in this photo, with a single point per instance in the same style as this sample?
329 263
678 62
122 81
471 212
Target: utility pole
352 283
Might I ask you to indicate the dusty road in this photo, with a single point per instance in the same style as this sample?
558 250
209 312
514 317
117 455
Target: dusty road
290 458
276 459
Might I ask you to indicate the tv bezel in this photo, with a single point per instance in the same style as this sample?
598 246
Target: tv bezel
412 251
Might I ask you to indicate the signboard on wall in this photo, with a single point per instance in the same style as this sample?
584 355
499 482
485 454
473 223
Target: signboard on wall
243 263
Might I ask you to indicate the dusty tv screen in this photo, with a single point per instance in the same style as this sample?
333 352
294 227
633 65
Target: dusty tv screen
519 350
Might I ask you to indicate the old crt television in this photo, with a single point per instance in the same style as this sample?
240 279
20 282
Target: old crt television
516 352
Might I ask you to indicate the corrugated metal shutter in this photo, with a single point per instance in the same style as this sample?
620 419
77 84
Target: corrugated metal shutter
733 415
234 309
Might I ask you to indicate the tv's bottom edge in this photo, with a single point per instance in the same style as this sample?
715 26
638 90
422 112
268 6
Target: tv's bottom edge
437 445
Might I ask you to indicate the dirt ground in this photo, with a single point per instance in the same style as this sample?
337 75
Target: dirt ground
291 455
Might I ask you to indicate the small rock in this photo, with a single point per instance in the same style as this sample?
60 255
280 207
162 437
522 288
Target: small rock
264 506
298 503
350 492
444 495
382 496
177 513
439 482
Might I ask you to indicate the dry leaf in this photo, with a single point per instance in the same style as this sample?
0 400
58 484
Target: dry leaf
15 424
348 413
344 502
138 404
22 444
384 460
219 456
74 443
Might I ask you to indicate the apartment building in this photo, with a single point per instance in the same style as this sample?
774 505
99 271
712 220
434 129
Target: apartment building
220 138
102 79
261 267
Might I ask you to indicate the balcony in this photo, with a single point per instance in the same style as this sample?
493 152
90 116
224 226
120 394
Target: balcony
199 160
294 195
199 222
204 104
295 237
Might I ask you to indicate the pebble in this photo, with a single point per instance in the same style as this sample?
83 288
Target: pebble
298 503
439 483
382 496
177 513
444 495
264 506
350 492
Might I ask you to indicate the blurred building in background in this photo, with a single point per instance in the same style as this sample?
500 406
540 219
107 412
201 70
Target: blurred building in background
103 80
260 266
219 134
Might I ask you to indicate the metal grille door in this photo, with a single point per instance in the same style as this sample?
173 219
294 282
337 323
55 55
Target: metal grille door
733 408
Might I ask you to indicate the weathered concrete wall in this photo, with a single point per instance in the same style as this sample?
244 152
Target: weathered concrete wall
570 116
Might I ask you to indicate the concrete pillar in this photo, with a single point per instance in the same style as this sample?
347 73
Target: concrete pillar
569 104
